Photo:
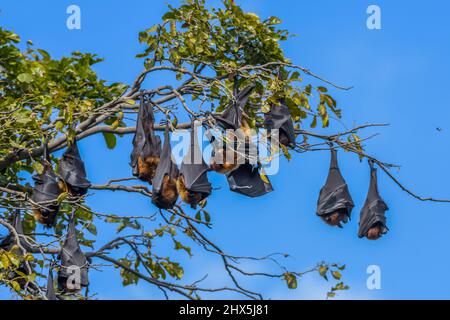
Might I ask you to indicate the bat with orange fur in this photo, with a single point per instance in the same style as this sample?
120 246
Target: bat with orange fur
45 193
146 144
165 192
72 171
192 184
335 203
372 222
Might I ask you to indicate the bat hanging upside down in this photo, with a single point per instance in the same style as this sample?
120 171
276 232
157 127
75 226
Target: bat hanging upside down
335 218
168 194
374 232
220 161
190 197
147 168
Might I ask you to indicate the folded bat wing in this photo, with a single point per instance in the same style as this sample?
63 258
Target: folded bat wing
145 142
279 117
194 169
166 167
247 180
231 117
334 195
72 169
45 194
72 258
50 294
9 241
374 209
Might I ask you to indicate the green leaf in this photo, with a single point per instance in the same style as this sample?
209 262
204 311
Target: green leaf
337 275
314 122
38 167
291 280
25 77
63 196
110 140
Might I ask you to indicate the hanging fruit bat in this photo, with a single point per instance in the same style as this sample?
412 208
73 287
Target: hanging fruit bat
165 193
45 193
73 263
8 244
192 184
372 221
247 181
279 117
50 294
73 172
231 117
9 241
335 204
146 145
224 158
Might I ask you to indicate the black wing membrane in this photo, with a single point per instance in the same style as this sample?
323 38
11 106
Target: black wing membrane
9 241
73 262
73 172
334 195
231 117
279 117
146 144
45 193
165 177
374 209
50 294
247 180
193 169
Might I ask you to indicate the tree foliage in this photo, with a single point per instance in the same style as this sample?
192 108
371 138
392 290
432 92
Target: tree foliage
55 100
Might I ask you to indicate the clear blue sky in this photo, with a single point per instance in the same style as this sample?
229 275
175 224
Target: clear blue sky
400 76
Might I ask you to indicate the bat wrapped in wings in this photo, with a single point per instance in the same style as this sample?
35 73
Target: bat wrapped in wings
231 116
192 184
247 180
335 203
165 193
372 221
73 272
227 156
72 171
146 144
279 118
50 293
45 193
9 243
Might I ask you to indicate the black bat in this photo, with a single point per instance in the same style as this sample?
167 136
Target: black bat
335 203
8 244
72 171
231 117
165 193
146 145
372 221
247 180
279 117
73 263
50 294
45 193
9 241
193 185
